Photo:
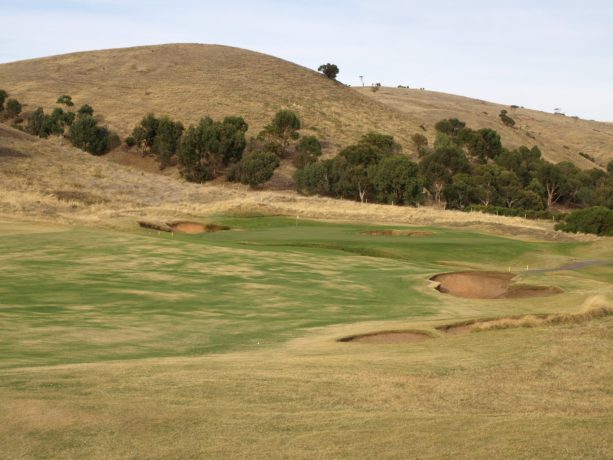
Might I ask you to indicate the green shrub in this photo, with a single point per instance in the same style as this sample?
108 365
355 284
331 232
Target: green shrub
597 220
308 151
258 168
65 100
86 109
37 123
312 179
87 135
166 141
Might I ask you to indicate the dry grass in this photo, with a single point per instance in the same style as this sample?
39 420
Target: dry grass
522 393
559 138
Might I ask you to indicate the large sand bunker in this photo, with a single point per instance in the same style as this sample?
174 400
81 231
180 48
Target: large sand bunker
488 285
388 337
184 227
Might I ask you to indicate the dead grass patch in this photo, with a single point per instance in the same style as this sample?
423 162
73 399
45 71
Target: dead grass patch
488 285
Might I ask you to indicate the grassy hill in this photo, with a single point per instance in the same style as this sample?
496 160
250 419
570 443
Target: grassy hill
559 137
189 81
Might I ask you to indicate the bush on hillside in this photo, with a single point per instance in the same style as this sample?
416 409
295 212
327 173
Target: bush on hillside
597 220
12 109
3 96
312 179
421 142
258 168
308 151
166 141
210 146
85 109
506 119
85 134
65 100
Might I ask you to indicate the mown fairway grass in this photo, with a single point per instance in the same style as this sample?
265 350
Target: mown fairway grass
239 332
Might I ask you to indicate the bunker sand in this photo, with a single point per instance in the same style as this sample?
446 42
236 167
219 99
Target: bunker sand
488 285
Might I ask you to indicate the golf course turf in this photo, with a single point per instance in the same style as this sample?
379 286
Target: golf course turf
241 338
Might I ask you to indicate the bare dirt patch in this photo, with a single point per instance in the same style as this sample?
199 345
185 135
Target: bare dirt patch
387 337
488 285
184 227
398 233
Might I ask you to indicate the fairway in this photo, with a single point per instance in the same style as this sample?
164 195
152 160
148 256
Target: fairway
248 321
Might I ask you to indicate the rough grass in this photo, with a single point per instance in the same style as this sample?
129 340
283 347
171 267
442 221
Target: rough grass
559 138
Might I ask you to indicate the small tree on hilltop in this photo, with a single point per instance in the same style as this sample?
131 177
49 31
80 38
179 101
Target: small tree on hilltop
258 168
329 70
65 100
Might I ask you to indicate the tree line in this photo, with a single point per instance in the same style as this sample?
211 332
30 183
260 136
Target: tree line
215 148
80 127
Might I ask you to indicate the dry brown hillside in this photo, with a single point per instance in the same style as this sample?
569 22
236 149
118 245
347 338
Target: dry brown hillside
190 81
559 137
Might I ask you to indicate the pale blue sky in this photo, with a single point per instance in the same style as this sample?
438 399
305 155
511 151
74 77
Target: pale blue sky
539 54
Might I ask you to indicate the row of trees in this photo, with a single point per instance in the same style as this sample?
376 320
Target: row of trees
465 168
80 127
214 148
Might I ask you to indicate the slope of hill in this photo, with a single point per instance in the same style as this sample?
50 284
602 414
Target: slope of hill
188 81
559 137
191 81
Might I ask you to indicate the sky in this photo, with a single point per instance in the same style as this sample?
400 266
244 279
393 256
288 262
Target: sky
540 54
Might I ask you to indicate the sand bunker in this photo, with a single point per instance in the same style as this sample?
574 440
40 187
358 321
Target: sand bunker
397 233
488 285
184 227
388 337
